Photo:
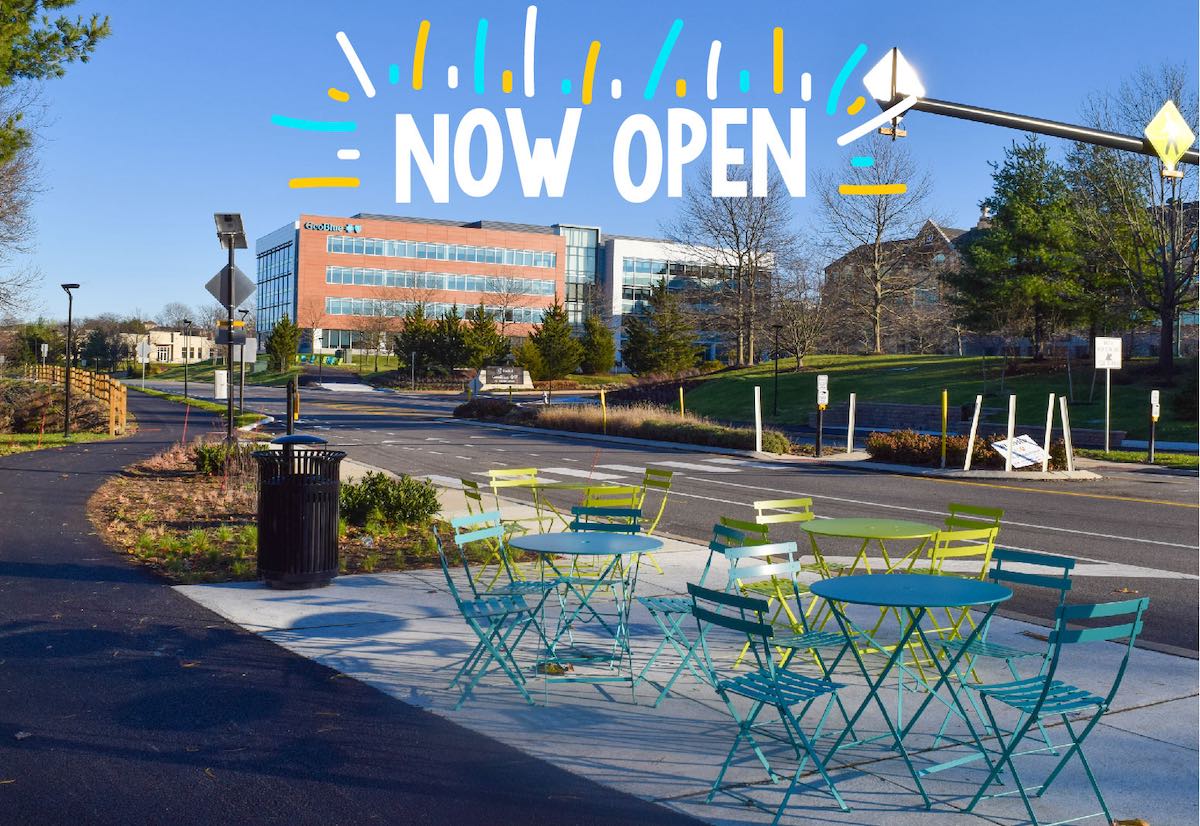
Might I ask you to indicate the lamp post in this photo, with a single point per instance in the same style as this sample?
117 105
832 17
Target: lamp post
242 363
775 394
70 306
231 236
187 343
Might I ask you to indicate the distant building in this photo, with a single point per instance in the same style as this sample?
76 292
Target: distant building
171 346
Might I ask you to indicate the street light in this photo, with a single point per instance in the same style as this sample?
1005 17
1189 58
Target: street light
231 236
242 363
70 306
187 342
776 327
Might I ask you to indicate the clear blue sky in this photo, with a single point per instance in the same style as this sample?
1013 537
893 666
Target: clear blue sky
171 120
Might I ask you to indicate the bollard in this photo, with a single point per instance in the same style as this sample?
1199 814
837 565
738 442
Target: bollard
1049 427
681 401
603 413
974 427
850 423
291 402
945 406
757 419
1012 430
1066 426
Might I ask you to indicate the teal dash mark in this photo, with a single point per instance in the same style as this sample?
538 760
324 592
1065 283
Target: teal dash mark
862 160
480 53
393 73
844 75
744 80
566 85
314 125
661 63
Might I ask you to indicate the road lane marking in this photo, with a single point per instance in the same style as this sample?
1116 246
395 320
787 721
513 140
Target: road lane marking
696 466
625 468
515 487
581 474
1111 496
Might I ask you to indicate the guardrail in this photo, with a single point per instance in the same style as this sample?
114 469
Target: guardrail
99 386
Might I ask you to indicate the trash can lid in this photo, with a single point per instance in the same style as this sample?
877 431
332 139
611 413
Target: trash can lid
299 439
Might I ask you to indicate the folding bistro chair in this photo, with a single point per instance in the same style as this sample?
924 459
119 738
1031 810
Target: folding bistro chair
475 507
1043 696
966 517
789 694
671 612
630 496
504 478
1049 572
971 551
659 480
494 620
769 589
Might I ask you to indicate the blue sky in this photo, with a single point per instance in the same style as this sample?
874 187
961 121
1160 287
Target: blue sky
171 119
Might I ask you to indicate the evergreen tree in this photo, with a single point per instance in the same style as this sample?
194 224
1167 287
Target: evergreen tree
485 344
527 357
282 343
661 340
599 349
450 341
560 353
1022 273
416 336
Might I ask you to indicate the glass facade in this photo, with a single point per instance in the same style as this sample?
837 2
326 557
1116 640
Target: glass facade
366 276
355 245
584 259
396 309
640 275
276 295
341 339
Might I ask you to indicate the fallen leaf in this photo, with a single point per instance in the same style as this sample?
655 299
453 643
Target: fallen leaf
210 774
190 663
1124 590
22 735
6 782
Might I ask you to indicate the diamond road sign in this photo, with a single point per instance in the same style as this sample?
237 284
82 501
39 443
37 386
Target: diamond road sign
1170 135
243 287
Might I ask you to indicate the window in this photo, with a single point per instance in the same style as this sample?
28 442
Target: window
164 352
440 252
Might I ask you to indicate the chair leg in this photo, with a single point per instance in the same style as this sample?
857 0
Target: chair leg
1077 747
1005 758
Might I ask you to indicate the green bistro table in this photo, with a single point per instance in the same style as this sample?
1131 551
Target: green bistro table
616 557
915 595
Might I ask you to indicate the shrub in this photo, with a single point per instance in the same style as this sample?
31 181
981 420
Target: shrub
907 447
484 408
381 498
216 459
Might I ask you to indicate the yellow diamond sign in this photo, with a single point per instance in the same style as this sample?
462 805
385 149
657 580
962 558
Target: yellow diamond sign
1170 135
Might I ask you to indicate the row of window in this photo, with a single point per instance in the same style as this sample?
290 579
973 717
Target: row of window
438 281
675 268
396 309
441 252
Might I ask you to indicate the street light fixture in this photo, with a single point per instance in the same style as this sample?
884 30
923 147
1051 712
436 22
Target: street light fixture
231 236
775 395
187 343
70 348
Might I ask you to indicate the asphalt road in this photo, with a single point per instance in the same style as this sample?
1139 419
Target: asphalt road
1134 532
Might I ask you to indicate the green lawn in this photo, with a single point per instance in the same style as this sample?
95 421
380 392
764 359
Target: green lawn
200 404
909 379
1184 461
22 442
204 373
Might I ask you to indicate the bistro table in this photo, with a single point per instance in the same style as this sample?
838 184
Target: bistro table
915 595
616 557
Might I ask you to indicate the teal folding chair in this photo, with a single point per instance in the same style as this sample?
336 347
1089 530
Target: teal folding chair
671 612
1043 696
790 694
1045 571
499 624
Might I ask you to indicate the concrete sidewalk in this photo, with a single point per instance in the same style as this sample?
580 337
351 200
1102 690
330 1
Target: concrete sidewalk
402 634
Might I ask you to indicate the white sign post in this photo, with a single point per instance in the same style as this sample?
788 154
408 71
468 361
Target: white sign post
974 427
45 352
850 424
1108 358
143 354
822 403
1154 411
757 419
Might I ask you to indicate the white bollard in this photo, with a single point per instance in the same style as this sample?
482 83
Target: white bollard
1066 426
1049 427
974 427
1012 431
850 424
757 418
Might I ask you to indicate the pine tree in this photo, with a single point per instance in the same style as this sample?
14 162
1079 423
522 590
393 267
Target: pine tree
599 349
414 343
282 343
560 353
450 340
485 344
661 340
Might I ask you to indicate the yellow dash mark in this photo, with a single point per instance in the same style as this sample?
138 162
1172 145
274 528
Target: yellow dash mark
856 107
589 70
418 79
872 189
310 183
778 50
680 88
506 81
339 95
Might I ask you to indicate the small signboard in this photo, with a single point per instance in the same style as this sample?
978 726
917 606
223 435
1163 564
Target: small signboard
504 375
823 391
143 351
1025 451
1154 408
1108 353
45 349
222 336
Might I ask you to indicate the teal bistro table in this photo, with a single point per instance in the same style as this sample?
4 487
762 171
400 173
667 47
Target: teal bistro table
914 595
615 560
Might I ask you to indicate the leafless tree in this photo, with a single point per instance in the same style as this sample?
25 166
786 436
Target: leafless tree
1145 224
173 315
509 292
866 231
739 240
799 307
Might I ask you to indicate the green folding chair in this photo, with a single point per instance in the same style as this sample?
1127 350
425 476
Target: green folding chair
1041 697
791 695
671 612
499 623
475 506
967 517
660 481
520 478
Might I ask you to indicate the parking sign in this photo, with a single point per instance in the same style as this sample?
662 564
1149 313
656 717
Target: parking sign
822 390
1108 353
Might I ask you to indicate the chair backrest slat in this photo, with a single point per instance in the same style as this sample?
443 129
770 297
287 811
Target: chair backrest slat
1109 632
1037 580
1032 558
793 510
1128 629
759 629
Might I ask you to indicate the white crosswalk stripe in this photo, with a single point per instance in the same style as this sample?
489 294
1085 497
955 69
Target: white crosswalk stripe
582 474
623 468
544 479
696 466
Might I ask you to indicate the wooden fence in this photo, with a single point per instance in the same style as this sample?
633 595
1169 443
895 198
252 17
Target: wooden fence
99 386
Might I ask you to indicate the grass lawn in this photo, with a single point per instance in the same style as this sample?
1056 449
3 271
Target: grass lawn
919 379
1183 461
204 373
202 404
21 442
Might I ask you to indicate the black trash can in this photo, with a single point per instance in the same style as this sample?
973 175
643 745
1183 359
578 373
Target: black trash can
298 489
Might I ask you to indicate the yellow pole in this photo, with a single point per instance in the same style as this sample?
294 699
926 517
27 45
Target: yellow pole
603 412
681 401
945 410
